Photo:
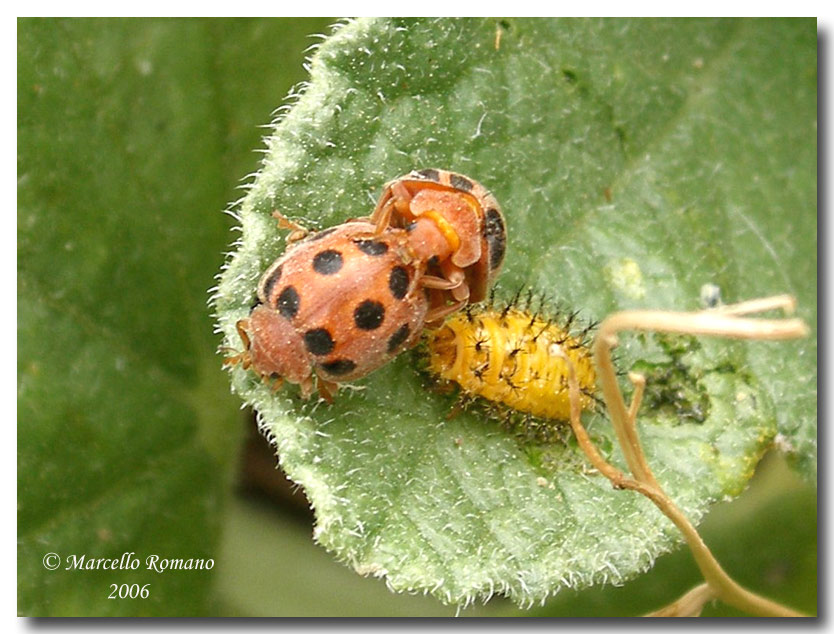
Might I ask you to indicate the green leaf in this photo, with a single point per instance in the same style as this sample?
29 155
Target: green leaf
130 137
637 161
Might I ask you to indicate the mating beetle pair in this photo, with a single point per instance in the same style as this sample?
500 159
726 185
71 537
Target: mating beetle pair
343 302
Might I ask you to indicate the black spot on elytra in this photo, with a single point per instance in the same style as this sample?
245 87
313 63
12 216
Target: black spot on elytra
398 281
321 234
270 282
372 247
339 367
461 182
496 236
398 338
430 174
288 302
318 341
369 315
327 262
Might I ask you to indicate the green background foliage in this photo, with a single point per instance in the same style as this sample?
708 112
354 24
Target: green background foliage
132 137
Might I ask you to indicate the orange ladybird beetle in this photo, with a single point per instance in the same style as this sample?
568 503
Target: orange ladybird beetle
344 301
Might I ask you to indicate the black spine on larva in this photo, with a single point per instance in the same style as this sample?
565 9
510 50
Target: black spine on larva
542 303
541 331
528 300
583 334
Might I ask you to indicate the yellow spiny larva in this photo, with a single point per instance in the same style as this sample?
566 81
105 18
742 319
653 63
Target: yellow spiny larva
513 357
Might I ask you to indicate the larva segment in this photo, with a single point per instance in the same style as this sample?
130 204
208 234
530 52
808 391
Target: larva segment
513 358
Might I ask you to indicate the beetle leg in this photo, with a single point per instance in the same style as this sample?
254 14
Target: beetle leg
453 281
327 389
455 274
307 387
242 325
396 197
436 315
441 283
244 358
382 216
297 232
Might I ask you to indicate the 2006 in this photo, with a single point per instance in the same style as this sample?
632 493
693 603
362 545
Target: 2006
129 591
